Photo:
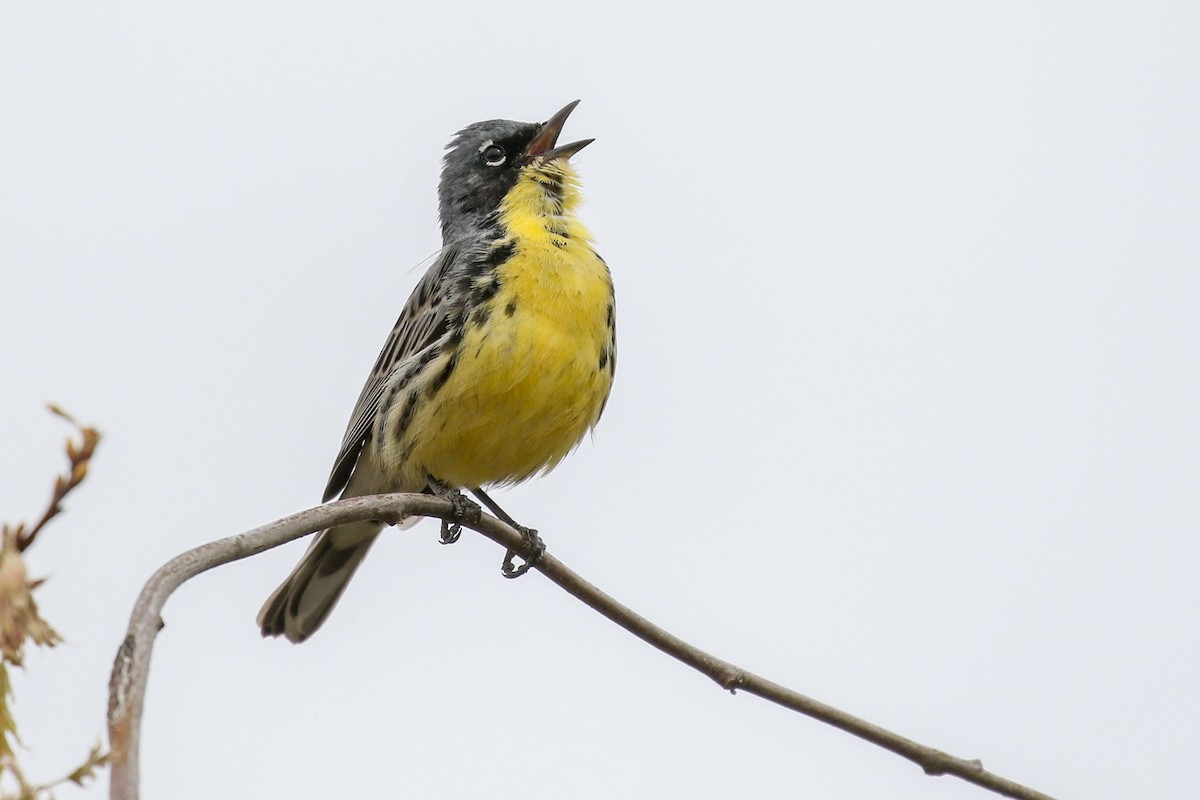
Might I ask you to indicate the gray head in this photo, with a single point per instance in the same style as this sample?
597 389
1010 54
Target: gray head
484 162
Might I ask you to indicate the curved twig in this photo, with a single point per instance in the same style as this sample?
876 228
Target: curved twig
127 688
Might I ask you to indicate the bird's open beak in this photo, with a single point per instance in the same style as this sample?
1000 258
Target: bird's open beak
543 144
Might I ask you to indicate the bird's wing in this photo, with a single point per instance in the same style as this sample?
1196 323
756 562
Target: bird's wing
423 321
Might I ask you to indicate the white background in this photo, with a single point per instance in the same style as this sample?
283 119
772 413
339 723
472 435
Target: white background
905 414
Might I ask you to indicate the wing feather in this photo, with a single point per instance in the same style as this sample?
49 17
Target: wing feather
424 320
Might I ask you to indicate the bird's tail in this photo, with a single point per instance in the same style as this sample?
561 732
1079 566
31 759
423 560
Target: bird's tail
302 602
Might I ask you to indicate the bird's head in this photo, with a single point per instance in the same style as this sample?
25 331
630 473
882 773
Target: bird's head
487 160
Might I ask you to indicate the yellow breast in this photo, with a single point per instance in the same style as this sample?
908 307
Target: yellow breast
535 363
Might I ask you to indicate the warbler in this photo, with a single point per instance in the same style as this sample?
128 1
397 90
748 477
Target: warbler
501 361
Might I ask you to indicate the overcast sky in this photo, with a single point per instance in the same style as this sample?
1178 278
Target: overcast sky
905 415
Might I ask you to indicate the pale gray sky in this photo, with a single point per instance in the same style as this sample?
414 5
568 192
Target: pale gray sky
905 414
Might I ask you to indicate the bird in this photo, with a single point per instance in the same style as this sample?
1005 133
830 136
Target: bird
500 363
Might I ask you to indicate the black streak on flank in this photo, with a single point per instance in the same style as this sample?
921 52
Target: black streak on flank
426 357
485 292
480 316
603 360
490 261
608 316
500 254
444 375
511 308
406 414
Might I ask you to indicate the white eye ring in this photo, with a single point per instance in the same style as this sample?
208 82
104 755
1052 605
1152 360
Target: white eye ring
493 154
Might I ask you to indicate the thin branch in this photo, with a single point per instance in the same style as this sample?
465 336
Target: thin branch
127 687
78 455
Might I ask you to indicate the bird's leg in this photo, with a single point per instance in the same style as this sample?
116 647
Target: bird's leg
533 543
462 508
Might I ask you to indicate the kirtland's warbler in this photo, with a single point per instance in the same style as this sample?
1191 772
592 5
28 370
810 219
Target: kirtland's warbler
501 361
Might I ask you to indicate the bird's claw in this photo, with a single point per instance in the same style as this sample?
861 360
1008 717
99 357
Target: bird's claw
531 544
450 532
463 509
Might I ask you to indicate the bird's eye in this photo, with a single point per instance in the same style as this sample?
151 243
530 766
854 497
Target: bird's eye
493 155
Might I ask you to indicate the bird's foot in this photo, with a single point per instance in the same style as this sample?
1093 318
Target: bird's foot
531 544
464 509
